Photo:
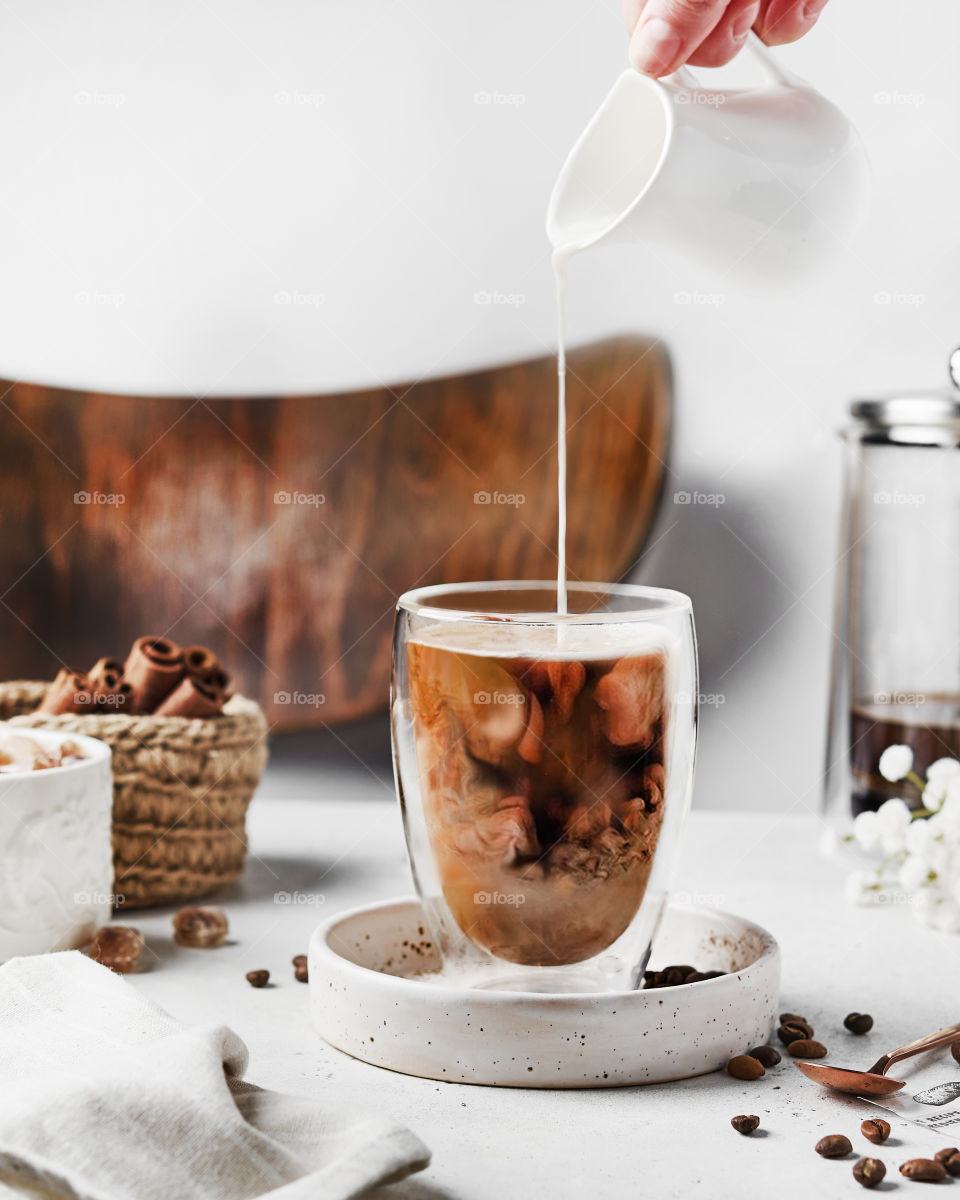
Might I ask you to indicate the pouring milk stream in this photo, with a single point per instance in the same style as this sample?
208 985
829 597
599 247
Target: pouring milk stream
765 180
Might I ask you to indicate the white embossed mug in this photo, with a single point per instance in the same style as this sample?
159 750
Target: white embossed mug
56 857
770 180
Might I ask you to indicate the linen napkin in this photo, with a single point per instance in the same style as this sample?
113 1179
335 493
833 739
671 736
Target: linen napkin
104 1096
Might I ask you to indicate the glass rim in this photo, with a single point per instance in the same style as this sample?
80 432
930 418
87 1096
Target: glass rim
661 602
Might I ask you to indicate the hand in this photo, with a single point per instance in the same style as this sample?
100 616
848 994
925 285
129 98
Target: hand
665 34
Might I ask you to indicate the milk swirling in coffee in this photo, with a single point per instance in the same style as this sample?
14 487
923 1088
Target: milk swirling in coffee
542 775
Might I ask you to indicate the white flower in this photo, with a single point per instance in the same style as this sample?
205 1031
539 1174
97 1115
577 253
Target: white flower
895 762
919 837
866 831
914 873
943 768
934 794
864 887
893 819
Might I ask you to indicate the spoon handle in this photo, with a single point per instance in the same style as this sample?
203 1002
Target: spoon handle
941 1038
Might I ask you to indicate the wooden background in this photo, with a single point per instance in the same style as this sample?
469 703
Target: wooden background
297 598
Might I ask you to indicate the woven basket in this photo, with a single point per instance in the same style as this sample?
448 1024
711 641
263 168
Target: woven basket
181 787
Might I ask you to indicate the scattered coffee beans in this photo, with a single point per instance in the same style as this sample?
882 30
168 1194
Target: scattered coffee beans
868 1172
300 968
200 927
924 1170
950 1159
767 1055
794 1031
875 1130
834 1145
258 979
858 1022
744 1066
807 1048
745 1124
118 947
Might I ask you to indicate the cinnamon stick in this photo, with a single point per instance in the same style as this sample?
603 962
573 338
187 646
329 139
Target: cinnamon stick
105 671
192 698
67 694
153 669
200 661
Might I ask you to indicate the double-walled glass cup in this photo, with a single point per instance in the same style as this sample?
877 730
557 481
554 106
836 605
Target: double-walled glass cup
544 764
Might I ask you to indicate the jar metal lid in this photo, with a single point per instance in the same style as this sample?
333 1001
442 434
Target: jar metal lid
912 420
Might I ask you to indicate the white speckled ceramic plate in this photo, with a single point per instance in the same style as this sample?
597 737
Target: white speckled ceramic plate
376 992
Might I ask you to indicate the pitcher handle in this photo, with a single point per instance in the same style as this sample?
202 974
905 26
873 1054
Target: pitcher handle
683 77
768 63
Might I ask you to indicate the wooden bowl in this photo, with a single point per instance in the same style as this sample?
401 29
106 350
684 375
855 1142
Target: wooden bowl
280 530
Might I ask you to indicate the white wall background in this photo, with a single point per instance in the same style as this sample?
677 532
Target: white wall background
243 197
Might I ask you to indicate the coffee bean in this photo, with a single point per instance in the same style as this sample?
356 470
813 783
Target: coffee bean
807 1048
768 1055
793 1031
673 976
791 1018
868 1172
924 1170
745 1124
834 1145
875 1130
745 1067
950 1159
258 979
858 1022
955 1050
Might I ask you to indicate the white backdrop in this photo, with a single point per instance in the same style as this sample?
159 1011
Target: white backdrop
239 197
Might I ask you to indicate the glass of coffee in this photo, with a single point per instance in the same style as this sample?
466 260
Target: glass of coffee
544 764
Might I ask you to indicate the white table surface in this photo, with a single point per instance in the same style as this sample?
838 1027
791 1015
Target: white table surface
656 1141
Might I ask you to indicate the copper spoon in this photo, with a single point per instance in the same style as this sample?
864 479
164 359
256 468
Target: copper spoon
874 1082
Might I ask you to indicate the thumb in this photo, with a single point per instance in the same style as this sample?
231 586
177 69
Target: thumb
669 31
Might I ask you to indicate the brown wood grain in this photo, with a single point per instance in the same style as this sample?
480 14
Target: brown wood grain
299 597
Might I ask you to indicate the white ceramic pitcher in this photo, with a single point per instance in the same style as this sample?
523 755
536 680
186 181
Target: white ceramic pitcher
770 180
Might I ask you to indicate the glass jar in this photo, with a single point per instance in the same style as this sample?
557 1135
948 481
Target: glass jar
544 765
896 655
